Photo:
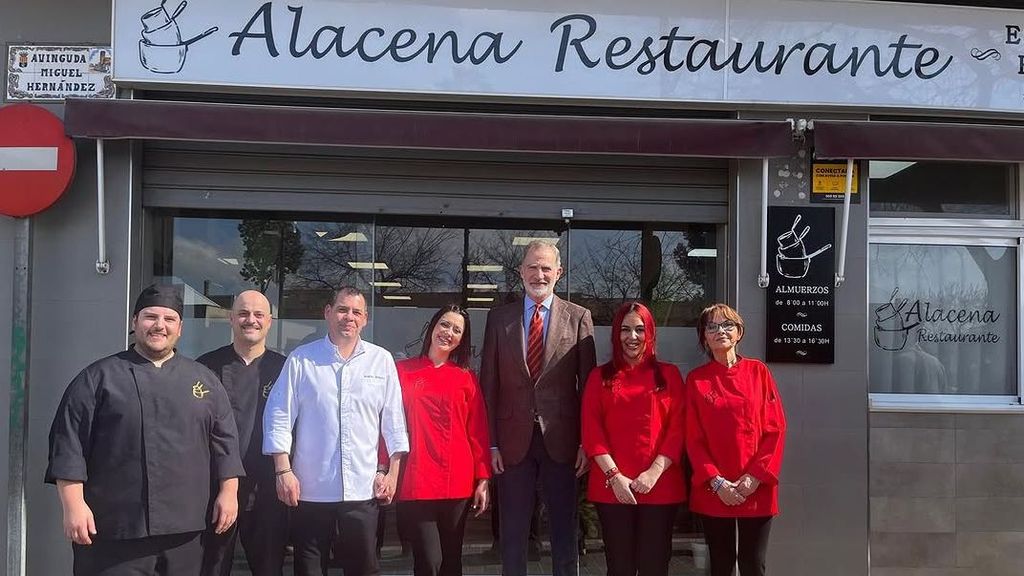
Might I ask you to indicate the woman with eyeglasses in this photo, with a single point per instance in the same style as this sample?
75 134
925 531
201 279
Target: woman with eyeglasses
445 475
734 437
633 431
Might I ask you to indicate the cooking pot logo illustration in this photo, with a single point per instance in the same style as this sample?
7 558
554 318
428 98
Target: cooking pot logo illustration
792 259
161 48
891 328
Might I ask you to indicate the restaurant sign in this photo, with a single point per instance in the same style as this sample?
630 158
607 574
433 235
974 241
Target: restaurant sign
712 51
801 289
59 72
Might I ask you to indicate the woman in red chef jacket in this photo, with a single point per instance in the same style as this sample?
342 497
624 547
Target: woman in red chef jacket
446 471
632 420
734 436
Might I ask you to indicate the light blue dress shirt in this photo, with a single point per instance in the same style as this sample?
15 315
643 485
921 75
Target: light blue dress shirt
335 409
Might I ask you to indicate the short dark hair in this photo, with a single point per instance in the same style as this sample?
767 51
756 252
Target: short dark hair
461 355
346 290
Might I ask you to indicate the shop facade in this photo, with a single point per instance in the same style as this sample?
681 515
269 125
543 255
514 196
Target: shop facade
413 149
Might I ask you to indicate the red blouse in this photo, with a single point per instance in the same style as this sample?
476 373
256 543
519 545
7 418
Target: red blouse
735 426
634 424
449 446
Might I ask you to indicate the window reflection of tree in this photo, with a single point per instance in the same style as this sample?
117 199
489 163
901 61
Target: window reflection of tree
612 266
495 247
420 259
271 250
325 265
685 286
606 270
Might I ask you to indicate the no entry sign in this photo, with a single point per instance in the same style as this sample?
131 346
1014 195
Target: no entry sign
37 160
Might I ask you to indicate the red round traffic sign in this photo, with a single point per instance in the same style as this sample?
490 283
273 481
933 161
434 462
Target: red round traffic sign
37 160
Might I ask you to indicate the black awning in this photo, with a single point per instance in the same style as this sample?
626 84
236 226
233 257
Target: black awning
193 121
918 141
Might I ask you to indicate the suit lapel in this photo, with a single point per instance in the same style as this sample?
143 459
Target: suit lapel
515 338
558 326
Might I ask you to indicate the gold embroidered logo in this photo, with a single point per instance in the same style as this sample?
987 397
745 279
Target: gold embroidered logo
198 390
266 389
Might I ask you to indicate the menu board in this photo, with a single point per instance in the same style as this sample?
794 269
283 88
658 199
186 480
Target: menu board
801 289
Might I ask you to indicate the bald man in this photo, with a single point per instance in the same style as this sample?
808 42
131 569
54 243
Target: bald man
248 371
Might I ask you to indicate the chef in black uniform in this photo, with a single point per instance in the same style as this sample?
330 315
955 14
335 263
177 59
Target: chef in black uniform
248 371
138 440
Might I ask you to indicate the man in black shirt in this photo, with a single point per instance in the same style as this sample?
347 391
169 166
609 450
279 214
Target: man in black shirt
138 441
248 371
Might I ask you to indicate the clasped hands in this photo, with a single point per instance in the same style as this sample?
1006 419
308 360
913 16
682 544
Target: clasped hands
736 493
385 485
624 488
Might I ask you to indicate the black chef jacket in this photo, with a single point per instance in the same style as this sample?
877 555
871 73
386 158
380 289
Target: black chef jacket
146 441
248 388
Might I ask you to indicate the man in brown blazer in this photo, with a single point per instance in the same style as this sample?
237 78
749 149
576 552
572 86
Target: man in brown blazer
538 352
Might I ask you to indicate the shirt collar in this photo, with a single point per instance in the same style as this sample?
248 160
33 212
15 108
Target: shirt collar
333 350
528 303
136 358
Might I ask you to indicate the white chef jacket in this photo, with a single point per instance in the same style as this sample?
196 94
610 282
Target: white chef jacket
335 411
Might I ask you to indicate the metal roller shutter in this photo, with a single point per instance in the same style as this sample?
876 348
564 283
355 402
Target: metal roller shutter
402 182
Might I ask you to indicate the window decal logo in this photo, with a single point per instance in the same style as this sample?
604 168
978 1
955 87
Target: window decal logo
890 328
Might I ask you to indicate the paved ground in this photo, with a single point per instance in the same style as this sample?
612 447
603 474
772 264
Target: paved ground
478 560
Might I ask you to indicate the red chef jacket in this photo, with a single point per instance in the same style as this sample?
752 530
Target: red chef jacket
735 426
634 424
449 445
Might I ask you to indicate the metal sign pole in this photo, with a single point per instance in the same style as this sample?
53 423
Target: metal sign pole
18 418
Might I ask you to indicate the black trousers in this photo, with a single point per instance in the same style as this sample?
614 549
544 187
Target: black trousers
723 552
637 539
518 494
170 555
496 515
314 525
435 528
262 527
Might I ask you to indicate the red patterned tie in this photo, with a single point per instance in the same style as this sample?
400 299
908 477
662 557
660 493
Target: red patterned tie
535 344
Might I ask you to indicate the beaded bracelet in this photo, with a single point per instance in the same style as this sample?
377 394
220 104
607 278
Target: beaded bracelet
609 474
716 484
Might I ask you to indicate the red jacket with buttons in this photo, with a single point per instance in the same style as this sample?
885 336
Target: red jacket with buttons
735 426
633 423
449 445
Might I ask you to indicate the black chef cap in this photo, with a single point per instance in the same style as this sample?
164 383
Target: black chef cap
165 295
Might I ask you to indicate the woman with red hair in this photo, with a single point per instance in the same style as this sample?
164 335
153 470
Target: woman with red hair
633 430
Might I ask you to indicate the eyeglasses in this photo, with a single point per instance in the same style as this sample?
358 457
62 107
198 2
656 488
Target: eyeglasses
712 327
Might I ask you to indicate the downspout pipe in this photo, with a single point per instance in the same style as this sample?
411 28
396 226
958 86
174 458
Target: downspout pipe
102 264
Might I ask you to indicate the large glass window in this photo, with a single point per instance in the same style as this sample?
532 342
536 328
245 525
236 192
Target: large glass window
408 269
941 189
943 319
944 291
